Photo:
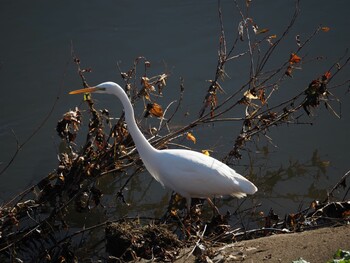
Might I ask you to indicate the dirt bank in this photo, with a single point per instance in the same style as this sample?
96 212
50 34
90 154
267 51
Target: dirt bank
314 246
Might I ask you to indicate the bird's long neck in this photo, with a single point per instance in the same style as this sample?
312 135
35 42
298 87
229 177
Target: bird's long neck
144 148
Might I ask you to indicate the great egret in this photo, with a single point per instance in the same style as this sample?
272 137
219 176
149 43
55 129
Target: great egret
191 174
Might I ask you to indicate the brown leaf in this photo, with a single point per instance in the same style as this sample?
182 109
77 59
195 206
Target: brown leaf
244 101
173 212
294 59
262 31
258 31
327 75
325 28
289 71
261 96
314 204
191 137
155 110
146 85
61 177
346 214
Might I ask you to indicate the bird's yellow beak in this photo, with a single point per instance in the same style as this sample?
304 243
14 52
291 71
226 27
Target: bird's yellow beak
86 90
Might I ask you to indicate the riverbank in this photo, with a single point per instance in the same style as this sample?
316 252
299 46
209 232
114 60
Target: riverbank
313 246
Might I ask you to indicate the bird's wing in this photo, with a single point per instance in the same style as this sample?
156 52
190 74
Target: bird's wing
197 175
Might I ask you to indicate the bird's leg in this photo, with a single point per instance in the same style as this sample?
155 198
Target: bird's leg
215 209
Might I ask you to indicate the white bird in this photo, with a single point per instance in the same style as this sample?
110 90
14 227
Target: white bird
190 174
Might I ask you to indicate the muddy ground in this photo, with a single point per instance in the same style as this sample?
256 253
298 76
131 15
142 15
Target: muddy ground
313 246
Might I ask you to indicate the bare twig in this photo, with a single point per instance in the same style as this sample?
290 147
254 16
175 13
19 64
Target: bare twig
341 182
38 128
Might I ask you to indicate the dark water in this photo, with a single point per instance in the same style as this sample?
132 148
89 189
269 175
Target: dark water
181 37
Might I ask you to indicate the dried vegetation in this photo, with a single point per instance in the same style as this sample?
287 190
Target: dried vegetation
34 224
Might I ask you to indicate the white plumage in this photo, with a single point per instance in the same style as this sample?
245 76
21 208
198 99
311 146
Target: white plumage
189 173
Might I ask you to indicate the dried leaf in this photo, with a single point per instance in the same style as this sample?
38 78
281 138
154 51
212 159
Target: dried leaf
327 75
262 31
294 59
255 28
162 79
346 214
61 177
292 220
289 71
267 118
248 95
244 101
269 39
154 109
146 96
52 176
314 204
124 75
262 96
206 152
191 137
69 124
173 212
146 85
